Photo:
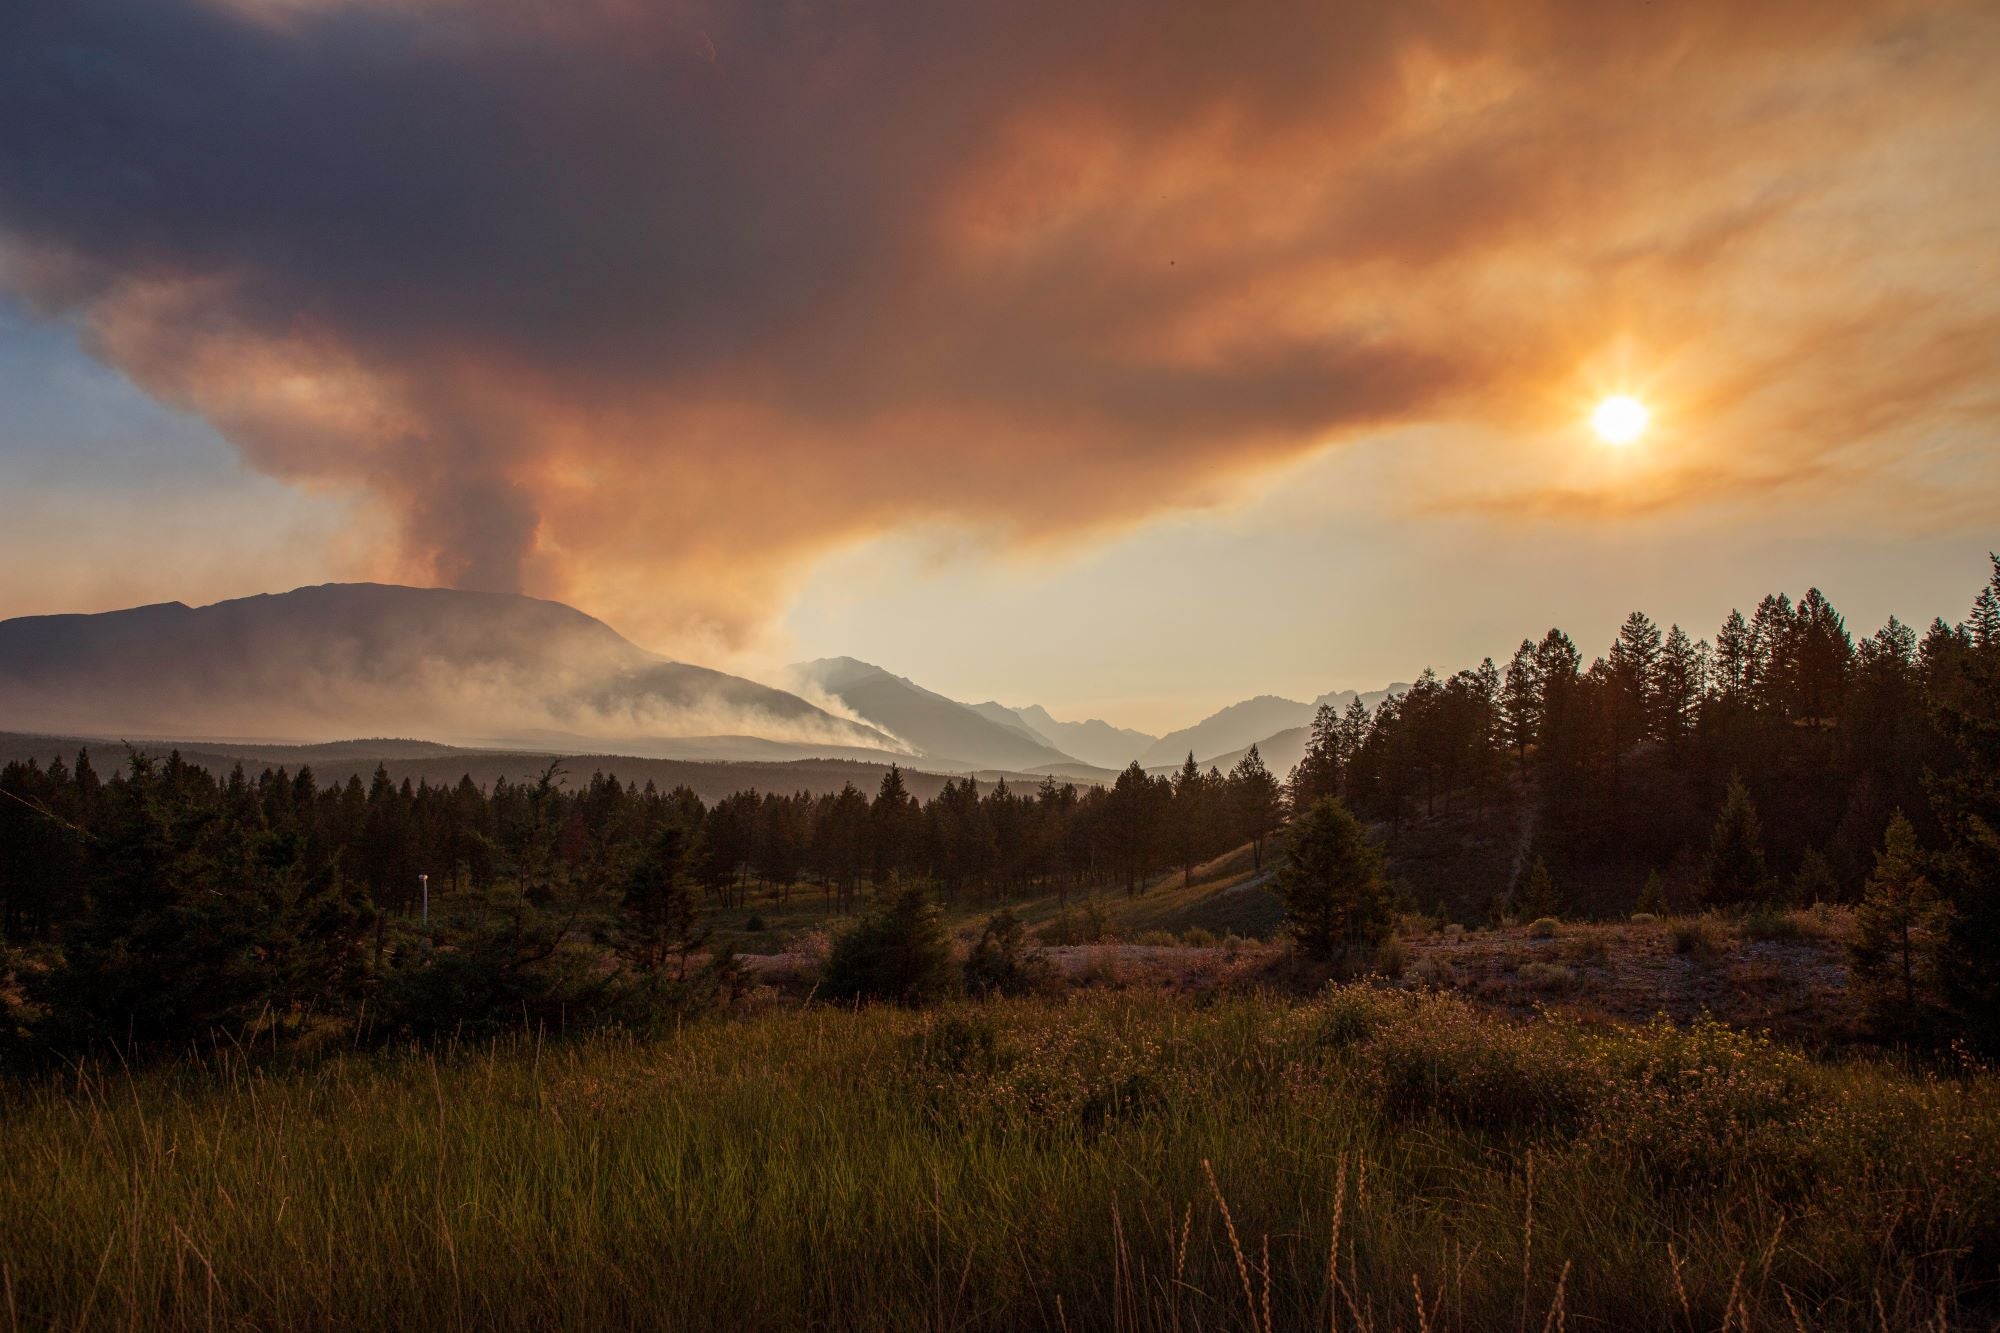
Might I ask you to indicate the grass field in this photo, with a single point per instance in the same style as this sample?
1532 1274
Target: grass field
1363 1160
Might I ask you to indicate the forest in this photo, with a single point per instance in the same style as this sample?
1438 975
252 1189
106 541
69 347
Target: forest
159 900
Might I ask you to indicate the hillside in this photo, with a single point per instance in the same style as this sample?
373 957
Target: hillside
445 765
947 733
367 659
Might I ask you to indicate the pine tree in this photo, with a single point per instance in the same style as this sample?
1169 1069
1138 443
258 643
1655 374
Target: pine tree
1257 802
1733 659
1680 687
1635 665
1967 804
899 952
1536 895
1822 656
1815 881
1193 818
1653 897
1318 772
1331 883
1982 625
1895 940
1733 871
1521 699
659 910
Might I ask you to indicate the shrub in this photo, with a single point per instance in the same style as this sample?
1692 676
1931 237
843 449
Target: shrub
1002 962
1591 944
1199 937
1434 973
1765 922
754 924
1158 939
1090 924
1697 936
898 952
1544 928
1435 1054
509 965
1653 897
1643 919
1547 977
1391 957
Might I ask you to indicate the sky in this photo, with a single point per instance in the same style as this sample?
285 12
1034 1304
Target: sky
1127 359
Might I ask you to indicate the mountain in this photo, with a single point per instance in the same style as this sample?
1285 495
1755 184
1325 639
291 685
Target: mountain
1282 750
942 731
1234 728
1012 720
367 659
1094 742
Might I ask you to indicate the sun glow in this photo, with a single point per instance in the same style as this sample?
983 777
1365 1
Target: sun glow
1620 419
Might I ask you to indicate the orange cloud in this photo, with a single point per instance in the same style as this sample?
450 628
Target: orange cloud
647 307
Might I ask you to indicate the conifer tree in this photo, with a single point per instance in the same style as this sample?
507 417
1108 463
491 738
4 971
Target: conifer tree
1815 881
1318 772
1331 883
1257 801
1653 897
1733 665
1521 699
1635 665
659 911
1733 871
1896 930
1536 895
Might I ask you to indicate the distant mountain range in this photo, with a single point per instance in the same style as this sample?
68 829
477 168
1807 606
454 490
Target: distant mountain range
949 733
507 675
1277 727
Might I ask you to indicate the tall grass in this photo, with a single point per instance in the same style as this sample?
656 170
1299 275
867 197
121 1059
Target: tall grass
1363 1161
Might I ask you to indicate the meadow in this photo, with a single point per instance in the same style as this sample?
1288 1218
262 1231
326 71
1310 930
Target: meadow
1360 1159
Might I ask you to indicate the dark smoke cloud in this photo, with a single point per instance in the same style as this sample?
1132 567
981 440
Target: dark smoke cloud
646 304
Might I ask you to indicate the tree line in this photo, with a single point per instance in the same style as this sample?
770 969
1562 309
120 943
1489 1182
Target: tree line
1782 760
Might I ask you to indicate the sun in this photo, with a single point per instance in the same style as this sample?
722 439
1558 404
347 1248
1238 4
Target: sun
1620 419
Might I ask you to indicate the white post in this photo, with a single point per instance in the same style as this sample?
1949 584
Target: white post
425 881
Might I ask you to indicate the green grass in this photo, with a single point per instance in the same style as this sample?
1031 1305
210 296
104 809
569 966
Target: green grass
1028 1164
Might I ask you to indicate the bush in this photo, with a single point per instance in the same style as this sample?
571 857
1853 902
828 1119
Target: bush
1643 918
898 952
1089 925
1158 939
754 924
1544 928
1591 944
1434 973
508 965
1547 977
1199 937
1697 936
1765 922
1391 957
1002 962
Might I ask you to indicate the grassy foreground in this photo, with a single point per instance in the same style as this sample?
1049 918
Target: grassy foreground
1365 1160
